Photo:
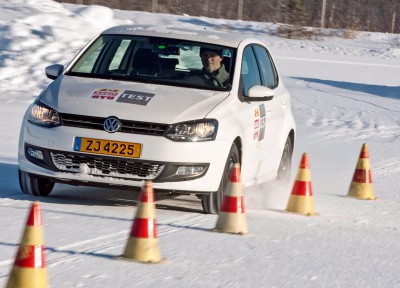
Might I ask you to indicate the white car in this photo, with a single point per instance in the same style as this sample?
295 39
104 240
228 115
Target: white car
134 105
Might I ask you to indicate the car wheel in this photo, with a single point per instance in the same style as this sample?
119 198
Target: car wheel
212 201
286 163
34 185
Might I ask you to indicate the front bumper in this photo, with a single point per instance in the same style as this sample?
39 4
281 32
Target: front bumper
159 160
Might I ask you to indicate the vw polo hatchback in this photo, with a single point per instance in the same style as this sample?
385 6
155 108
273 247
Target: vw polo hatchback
136 105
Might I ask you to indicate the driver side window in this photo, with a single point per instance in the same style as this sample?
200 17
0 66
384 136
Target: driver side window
249 72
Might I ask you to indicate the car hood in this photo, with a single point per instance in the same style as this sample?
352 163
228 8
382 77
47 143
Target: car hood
130 100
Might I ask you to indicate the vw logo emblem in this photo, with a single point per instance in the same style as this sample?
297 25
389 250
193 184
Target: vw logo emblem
112 124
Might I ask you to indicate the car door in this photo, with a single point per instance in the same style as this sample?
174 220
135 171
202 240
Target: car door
275 109
265 118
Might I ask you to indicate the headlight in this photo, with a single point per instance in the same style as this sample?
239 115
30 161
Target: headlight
195 131
43 115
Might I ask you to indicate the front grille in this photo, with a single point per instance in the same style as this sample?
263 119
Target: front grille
106 166
128 126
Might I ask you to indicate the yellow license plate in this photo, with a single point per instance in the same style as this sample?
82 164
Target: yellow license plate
107 147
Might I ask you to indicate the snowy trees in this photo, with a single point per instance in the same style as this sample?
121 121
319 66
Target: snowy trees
367 15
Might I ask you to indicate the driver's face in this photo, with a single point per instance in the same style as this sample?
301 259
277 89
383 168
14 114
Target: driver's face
211 61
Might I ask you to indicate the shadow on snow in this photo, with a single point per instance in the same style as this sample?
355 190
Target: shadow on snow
92 196
377 90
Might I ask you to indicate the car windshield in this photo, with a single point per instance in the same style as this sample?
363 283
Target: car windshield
155 60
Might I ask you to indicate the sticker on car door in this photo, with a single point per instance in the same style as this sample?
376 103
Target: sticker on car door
259 123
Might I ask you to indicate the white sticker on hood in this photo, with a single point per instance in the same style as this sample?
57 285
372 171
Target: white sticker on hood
105 94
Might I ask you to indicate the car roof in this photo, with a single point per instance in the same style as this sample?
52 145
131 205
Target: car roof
198 34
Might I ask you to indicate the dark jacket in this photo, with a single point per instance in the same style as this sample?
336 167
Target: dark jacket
218 78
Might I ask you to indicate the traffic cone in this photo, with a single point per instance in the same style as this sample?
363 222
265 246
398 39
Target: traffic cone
361 185
232 217
301 199
142 244
29 269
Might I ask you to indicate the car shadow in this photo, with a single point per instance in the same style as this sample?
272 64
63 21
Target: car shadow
93 196
377 90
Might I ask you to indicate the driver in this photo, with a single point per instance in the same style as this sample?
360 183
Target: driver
213 70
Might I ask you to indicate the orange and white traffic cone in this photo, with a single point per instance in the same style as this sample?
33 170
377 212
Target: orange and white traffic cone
301 198
142 244
232 217
29 268
361 185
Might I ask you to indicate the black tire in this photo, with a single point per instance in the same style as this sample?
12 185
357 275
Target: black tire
285 165
34 185
212 202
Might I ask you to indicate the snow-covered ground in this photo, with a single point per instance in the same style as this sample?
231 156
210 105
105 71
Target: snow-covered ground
345 92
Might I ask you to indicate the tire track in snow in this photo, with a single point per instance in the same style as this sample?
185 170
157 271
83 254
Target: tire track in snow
340 120
352 98
98 246
386 168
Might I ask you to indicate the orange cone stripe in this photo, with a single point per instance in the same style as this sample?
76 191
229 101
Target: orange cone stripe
232 204
304 162
364 154
235 175
362 176
146 197
302 188
144 228
35 218
364 151
30 257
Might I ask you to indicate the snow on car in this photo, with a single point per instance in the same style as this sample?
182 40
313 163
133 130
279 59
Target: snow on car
138 103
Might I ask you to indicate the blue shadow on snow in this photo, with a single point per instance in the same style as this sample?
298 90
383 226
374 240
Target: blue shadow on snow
378 90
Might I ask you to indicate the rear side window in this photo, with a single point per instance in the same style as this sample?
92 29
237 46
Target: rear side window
119 55
250 74
88 60
267 69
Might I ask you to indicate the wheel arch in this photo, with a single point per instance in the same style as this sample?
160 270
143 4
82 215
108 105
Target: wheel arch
239 145
292 137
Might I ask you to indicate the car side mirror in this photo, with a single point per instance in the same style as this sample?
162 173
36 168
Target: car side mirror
260 93
53 71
